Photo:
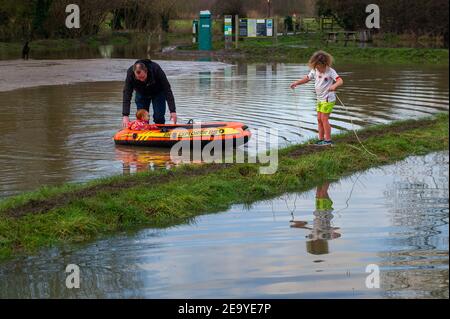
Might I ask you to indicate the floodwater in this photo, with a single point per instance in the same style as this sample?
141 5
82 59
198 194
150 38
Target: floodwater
391 221
63 133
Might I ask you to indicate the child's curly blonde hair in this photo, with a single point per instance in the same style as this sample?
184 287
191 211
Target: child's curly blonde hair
320 58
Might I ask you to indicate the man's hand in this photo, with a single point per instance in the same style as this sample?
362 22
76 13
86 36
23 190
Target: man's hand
294 85
332 88
125 121
173 117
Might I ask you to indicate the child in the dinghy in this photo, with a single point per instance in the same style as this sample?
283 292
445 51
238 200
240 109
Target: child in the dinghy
142 122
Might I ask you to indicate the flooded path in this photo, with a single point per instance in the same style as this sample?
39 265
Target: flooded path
63 133
316 244
16 74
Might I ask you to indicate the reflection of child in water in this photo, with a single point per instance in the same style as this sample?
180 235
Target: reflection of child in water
322 231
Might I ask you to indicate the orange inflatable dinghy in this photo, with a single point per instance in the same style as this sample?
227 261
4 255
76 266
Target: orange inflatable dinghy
229 133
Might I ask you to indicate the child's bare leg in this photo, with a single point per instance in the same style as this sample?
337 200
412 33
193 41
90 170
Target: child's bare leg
322 190
326 126
320 125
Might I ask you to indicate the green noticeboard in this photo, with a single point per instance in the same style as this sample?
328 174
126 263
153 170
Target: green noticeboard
205 31
243 27
253 28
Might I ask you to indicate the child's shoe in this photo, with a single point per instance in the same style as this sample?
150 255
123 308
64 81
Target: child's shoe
319 142
324 143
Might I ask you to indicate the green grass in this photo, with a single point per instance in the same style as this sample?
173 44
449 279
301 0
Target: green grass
187 191
184 26
14 49
109 38
299 48
180 26
55 44
351 54
290 49
10 47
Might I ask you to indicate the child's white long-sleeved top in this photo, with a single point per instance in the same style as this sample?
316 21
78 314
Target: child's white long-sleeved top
323 82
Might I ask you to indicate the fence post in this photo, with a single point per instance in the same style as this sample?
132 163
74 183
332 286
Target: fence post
226 29
236 31
275 29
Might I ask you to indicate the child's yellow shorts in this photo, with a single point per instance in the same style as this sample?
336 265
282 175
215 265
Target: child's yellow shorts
325 107
324 204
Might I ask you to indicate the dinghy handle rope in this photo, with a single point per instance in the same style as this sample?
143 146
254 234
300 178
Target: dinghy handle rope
354 130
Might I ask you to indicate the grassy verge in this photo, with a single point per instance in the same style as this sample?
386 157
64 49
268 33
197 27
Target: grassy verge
14 49
350 54
76 213
299 48
289 49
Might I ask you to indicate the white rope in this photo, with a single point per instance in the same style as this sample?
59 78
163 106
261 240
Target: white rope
354 130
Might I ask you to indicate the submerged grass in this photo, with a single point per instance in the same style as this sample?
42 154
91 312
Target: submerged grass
77 213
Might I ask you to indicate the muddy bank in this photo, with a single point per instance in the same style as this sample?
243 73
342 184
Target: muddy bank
16 74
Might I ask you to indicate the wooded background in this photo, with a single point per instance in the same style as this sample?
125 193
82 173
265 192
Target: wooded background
37 19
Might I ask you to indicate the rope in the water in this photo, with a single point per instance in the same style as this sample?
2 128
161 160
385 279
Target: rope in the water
354 130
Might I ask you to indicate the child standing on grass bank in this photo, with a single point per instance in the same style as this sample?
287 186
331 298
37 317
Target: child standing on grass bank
326 82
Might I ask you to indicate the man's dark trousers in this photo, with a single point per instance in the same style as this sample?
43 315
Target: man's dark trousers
158 103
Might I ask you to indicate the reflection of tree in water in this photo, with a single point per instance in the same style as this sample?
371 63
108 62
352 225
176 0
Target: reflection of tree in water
420 199
105 272
418 204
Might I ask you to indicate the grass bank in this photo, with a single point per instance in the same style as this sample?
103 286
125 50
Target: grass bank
396 56
77 213
299 48
288 49
13 50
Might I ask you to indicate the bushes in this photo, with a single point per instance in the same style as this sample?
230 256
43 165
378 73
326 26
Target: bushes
400 17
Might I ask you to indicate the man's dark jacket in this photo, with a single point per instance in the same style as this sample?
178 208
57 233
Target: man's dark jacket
155 84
